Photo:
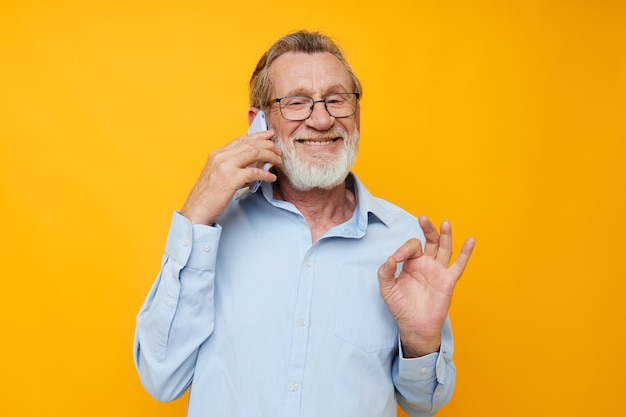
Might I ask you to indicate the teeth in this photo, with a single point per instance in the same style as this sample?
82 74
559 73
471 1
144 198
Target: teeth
316 143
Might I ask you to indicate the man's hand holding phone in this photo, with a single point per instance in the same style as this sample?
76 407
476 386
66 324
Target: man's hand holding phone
230 169
259 124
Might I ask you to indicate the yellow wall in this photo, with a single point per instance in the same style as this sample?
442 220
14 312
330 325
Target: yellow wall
506 118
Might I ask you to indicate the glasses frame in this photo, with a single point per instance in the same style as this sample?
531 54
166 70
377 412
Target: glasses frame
323 100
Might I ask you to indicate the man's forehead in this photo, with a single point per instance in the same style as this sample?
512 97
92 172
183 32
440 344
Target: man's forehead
299 72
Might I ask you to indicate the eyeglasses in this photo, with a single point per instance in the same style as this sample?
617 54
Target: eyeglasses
301 107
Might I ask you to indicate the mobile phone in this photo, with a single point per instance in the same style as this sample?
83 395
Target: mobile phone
259 124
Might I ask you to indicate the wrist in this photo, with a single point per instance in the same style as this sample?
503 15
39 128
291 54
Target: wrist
415 347
197 218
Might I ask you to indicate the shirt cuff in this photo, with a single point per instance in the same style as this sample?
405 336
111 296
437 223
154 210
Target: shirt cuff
190 245
431 366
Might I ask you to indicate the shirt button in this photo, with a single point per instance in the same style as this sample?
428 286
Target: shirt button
186 242
206 247
170 302
307 262
294 387
437 392
423 370
301 322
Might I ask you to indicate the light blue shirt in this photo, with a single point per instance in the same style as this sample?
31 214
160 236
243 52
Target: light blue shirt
259 321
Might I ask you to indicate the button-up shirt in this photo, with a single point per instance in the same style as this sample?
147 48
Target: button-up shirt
260 321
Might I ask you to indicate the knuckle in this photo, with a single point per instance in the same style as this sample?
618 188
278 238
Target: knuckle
253 150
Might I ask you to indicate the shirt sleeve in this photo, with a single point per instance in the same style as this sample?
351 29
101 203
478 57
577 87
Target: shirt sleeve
178 313
424 385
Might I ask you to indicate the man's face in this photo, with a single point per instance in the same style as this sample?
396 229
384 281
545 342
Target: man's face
317 152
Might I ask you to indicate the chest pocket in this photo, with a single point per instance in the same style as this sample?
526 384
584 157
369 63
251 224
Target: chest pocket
363 319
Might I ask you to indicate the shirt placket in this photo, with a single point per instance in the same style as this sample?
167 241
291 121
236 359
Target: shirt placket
300 335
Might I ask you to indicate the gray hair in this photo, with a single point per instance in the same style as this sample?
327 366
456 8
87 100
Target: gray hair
302 41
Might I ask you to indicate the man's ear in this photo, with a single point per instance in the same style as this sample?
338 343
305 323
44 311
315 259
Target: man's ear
251 113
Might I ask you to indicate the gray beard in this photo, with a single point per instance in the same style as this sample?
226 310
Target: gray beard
326 171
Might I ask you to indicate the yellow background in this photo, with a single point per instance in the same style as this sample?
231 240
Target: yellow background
507 118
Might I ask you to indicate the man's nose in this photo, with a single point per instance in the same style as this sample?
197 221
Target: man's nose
320 119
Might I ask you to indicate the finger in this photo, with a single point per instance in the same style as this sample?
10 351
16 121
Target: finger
444 252
264 135
244 143
270 154
251 153
387 274
258 174
412 248
431 235
228 170
461 261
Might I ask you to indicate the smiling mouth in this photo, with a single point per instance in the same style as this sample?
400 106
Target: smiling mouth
318 142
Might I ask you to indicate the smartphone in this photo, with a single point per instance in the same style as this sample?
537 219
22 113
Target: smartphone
259 124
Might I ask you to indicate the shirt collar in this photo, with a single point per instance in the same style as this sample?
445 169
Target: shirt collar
368 208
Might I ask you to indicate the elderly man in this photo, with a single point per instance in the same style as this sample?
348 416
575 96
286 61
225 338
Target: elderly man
309 297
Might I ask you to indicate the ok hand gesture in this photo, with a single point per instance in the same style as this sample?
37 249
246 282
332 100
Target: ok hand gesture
419 297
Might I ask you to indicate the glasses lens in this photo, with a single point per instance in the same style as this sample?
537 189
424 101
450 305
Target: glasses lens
341 105
296 107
